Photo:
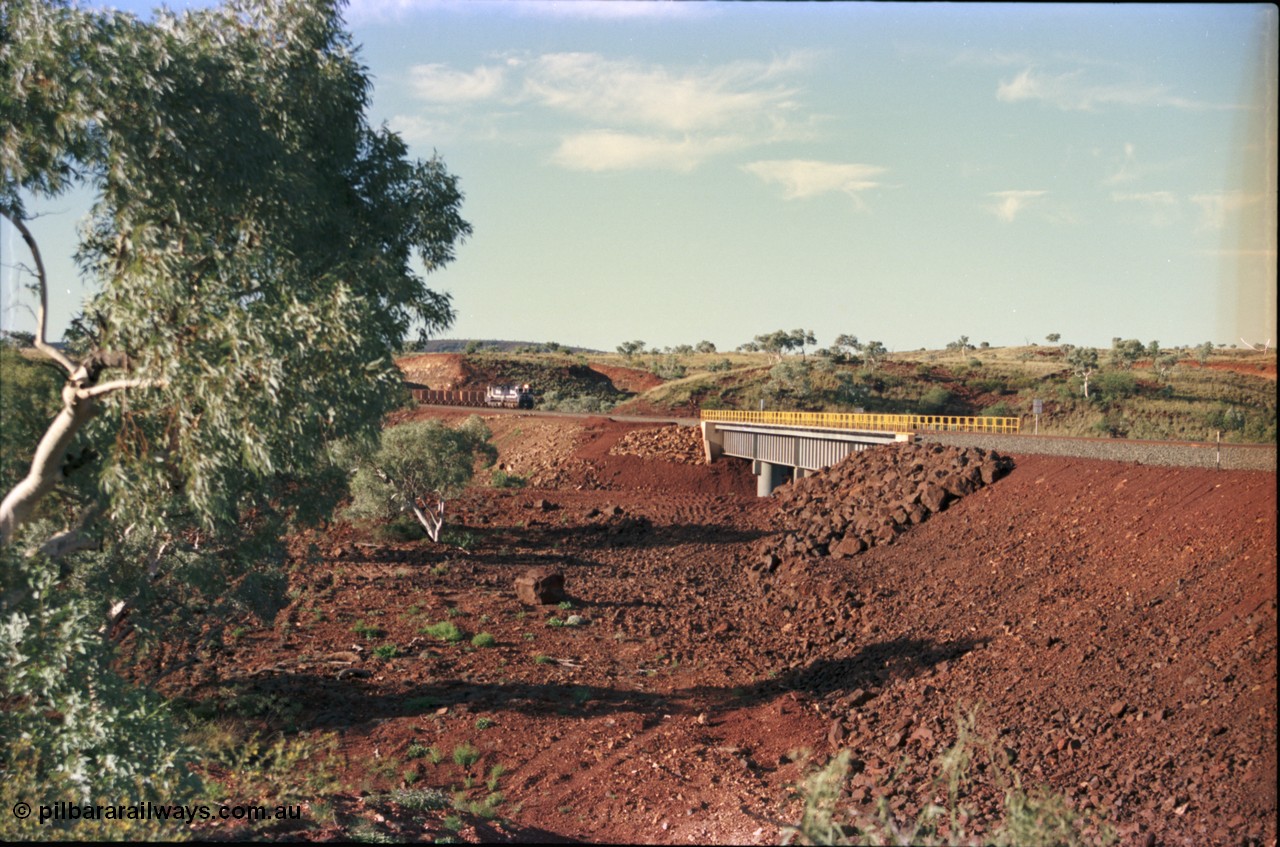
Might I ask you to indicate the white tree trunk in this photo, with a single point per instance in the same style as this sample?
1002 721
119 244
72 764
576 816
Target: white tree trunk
431 519
46 465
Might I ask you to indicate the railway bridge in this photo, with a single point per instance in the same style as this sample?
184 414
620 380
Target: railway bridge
789 445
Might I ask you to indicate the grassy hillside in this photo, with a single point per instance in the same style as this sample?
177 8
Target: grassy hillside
1232 391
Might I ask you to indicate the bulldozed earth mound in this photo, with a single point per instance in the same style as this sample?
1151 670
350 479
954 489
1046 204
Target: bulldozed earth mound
681 444
873 498
1112 625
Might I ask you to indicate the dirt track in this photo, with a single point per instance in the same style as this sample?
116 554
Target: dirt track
1115 624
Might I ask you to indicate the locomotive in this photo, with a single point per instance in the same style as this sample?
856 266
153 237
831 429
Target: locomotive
509 396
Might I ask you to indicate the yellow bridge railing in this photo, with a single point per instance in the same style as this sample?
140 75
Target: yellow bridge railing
892 423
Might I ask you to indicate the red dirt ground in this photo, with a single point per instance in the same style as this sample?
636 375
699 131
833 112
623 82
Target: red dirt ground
1115 625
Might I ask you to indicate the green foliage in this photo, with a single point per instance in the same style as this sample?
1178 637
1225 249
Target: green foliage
630 348
420 799
446 631
368 631
780 342
999 410
29 398
252 250
503 479
581 403
483 639
1126 352
790 385
484 722
936 401
386 652
1035 818
1114 385
71 727
668 368
416 461
251 242
464 755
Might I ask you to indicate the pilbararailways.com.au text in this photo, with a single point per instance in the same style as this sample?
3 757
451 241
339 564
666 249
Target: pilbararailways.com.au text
148 811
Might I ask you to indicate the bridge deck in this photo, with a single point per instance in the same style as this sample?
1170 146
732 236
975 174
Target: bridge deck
851 420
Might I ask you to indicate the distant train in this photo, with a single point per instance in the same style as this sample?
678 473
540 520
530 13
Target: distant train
495 396
509 396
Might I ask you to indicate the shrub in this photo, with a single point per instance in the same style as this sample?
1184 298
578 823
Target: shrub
1113 385
483 639
420 799
110 739
464 755
1035 817
367 631
502 479
936 401
444 631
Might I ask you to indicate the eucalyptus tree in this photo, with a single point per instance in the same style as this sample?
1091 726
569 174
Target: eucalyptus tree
417 468
251 243
257 252
1083 362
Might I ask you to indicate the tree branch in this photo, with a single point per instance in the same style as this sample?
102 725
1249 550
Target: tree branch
116 385
42 284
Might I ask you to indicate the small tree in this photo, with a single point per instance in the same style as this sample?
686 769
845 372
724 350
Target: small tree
1083 362
774 343
1164 365
1053 337
801 338
874 353
1126 352
705 347
417 468
630 348
1204 351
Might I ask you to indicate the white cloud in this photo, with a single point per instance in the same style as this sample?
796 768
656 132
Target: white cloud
611 9
1150 198
1010 203
383 11
440 84
615 114
1216 207
1159 208
608 150
613 91
806 178
1072 91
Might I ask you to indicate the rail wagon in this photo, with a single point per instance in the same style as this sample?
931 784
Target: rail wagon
495 396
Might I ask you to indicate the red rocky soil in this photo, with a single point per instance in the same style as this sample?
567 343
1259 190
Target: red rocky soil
1114 624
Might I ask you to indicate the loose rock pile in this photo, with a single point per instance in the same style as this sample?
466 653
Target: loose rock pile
872 497
669 443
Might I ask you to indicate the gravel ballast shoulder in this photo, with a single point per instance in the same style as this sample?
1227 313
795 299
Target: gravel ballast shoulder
1232 457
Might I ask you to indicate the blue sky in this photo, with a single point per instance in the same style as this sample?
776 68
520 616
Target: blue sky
675 172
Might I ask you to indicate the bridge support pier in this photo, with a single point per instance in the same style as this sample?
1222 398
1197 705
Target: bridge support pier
769 476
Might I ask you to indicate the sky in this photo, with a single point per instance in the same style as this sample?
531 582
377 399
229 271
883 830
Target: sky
906 173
